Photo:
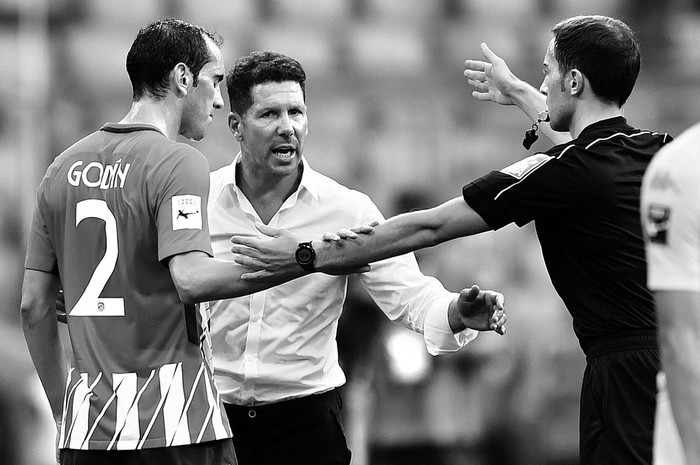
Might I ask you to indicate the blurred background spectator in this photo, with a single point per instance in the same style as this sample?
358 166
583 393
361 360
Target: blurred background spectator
393 117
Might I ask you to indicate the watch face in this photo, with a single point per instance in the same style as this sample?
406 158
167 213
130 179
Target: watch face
305 255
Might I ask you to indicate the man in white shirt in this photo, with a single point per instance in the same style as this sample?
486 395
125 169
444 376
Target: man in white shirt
671 218
276 358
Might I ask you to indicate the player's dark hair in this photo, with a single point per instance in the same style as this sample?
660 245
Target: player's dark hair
604 49
159 47
259 68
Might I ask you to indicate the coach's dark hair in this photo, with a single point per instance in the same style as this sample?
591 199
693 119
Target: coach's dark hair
604 49
259 68
159 47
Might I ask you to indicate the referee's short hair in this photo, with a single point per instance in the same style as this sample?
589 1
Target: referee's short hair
604 49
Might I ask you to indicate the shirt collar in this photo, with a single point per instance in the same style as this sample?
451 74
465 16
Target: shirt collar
310 179
616 122
123 128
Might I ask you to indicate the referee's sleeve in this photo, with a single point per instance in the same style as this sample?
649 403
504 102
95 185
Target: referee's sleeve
478 197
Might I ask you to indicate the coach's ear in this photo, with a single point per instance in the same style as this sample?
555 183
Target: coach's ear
234 124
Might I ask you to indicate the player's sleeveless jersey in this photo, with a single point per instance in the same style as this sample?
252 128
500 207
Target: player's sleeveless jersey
584 199
110 211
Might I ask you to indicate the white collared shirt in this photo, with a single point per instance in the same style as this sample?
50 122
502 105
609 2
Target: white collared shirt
280 343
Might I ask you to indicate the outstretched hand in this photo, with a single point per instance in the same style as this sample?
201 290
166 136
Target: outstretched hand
273 256
492 78
481 310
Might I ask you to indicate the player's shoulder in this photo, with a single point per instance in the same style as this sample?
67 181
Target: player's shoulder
63 160
683 147
179 149
690 136
177 156
83 145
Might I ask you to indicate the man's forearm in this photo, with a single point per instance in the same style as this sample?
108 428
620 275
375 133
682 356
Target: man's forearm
530 100
40 326
402 234
46 350
533 103
397 236
679 328
199 278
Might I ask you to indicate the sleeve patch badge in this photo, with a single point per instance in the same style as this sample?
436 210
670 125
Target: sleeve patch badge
656 223
187 212
524 167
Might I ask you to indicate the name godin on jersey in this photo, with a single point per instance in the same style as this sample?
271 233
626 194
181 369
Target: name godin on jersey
95 174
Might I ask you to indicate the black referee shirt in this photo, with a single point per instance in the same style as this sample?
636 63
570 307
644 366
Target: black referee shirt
584 199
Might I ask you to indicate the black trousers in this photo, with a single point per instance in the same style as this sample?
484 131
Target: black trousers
618 401
206 453
305 431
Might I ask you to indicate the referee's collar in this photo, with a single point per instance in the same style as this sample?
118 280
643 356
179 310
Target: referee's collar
616 122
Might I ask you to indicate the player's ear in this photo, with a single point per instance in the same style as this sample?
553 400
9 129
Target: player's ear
180 79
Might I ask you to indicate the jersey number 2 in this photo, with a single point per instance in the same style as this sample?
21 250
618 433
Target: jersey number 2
90 303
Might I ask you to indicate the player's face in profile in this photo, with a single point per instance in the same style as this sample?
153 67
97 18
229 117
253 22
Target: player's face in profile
204 98
272 131
553 86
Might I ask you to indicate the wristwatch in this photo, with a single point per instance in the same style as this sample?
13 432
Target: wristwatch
305 256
